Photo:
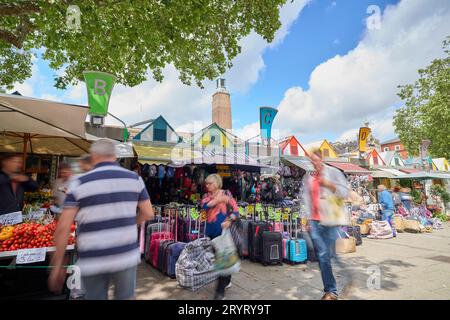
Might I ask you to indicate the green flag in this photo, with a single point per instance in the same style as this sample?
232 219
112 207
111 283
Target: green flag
99 87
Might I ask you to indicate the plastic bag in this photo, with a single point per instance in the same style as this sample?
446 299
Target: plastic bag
226 257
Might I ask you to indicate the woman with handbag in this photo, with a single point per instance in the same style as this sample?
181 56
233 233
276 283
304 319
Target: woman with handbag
221 210
324 198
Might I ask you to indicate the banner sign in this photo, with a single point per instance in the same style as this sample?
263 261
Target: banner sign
266 117
99 88
364 133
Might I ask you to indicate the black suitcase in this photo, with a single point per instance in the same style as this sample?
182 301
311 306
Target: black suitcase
257 251
272 250
252 225
309 244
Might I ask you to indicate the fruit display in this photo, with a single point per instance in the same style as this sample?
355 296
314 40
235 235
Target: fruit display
29 235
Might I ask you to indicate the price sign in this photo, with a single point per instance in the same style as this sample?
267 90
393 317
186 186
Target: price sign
251 209
287 210
271 215
241 211
285 216
259 208
11 218
25 256
194 214
270 210
278 215
36 215
203 215
295 216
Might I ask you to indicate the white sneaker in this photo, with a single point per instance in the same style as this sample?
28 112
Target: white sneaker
229 286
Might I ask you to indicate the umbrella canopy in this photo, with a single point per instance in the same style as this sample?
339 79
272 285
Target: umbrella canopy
28 115
16 142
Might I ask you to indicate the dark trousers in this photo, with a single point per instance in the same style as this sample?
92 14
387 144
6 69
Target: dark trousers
221 284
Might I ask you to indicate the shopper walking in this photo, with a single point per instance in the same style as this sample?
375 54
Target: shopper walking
387 204
221 210
13 184
104 201
325 181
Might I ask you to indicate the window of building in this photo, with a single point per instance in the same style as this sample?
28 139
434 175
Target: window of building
159 134
397 148
397 162
326 152
386 148
294 150
375 161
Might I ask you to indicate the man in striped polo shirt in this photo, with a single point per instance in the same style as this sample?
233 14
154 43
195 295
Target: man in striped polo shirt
104 201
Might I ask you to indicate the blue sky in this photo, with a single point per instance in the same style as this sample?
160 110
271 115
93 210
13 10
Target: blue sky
326 72
324 29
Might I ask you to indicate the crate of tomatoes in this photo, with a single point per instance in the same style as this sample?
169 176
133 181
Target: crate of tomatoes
29 235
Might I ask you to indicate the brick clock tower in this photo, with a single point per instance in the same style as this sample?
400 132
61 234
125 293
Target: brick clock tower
221 106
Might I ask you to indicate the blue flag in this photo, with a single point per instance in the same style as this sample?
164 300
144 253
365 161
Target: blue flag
266 117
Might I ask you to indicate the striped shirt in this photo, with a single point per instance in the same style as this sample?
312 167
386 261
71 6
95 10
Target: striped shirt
107 199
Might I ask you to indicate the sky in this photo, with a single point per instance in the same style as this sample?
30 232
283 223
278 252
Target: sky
333 65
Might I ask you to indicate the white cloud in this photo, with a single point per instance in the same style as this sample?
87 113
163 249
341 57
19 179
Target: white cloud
346 90
250 63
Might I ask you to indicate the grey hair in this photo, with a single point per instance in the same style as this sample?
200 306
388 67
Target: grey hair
103 147
215 178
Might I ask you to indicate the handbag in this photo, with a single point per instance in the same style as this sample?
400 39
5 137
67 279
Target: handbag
345 245
226 257
332 212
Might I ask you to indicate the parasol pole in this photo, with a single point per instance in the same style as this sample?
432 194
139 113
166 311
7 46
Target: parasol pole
25 150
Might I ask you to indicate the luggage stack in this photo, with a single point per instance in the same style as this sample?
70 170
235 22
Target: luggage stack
166 236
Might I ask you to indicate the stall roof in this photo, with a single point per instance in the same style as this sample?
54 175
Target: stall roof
394 172
410 170
162 153
426 175
382 174
300 162
219 157
348 167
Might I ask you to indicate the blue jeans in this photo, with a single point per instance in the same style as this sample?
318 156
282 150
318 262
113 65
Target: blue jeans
387 215
324 240
124 281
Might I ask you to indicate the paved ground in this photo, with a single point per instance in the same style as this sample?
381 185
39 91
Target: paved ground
412 266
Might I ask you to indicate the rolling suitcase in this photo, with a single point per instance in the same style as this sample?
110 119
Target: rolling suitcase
156 239
296 249
174 251
311 253
162 254
272 252
244 244
256 239
149 230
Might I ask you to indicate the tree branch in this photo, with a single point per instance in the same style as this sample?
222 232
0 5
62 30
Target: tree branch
19 9
10 38
23 29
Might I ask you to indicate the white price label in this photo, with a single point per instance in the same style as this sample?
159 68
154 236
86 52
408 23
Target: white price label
11 218
25 256
36 215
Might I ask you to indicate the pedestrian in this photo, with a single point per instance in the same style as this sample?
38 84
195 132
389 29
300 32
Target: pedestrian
61 184
324 181
406 198
221 209
13 184
396 196
104 201
387 205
